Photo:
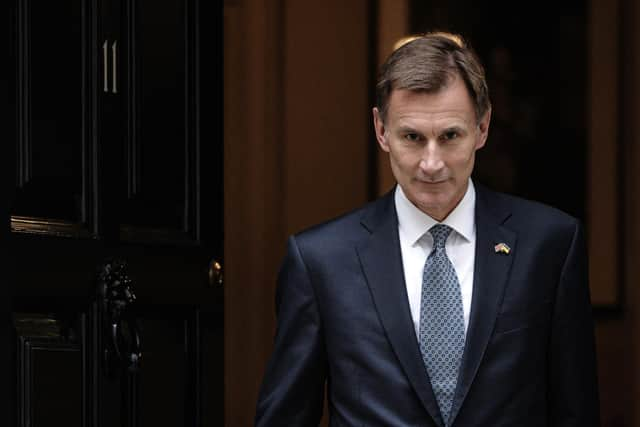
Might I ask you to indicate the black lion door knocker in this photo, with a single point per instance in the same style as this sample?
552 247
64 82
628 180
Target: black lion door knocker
120 333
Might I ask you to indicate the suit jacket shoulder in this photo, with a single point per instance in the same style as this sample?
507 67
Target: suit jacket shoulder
348 229
526 217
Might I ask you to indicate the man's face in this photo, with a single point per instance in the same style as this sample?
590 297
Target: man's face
432 139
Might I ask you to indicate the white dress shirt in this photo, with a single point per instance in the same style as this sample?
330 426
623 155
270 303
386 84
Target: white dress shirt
416 244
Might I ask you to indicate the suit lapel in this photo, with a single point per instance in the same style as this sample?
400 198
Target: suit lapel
381 261
490 276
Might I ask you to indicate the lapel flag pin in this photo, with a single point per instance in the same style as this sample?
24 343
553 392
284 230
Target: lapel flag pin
502 248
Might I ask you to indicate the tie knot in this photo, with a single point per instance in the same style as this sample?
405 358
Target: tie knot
440 233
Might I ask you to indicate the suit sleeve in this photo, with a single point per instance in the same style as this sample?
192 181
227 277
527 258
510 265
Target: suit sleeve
292 391
573 383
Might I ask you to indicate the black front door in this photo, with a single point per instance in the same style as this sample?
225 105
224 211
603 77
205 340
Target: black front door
116 219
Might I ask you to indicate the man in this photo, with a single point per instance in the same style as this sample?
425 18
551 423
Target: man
442 303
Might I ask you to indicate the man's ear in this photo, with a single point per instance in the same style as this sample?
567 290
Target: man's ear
378 124
483 128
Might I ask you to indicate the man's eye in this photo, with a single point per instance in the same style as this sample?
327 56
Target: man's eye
413 137
452 134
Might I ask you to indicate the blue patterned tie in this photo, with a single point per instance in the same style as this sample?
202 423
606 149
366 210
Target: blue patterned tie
441 321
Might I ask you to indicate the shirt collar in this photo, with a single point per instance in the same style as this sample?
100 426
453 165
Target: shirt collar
414 223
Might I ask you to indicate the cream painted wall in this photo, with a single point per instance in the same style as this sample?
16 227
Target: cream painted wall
296 140
251 185
326 119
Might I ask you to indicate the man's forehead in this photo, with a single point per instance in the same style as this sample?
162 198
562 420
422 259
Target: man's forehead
451 101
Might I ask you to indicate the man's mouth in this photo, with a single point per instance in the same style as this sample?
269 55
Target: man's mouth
432 182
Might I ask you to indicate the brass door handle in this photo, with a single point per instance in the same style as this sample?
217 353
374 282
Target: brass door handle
216 277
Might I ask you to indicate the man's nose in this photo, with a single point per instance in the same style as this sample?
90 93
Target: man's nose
431 161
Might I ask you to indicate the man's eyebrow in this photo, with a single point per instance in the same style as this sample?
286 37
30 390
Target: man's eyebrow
405 128
453 128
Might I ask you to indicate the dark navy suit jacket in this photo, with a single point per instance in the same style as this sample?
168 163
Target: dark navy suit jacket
344 323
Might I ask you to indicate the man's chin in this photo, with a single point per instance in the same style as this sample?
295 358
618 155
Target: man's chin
434 207
433 193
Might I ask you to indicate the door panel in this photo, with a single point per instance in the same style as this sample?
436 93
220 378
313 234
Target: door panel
110 166
168 384
50 354
52 102
163 381
161 146
51 365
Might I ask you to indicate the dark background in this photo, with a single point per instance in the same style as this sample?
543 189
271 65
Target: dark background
535 64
